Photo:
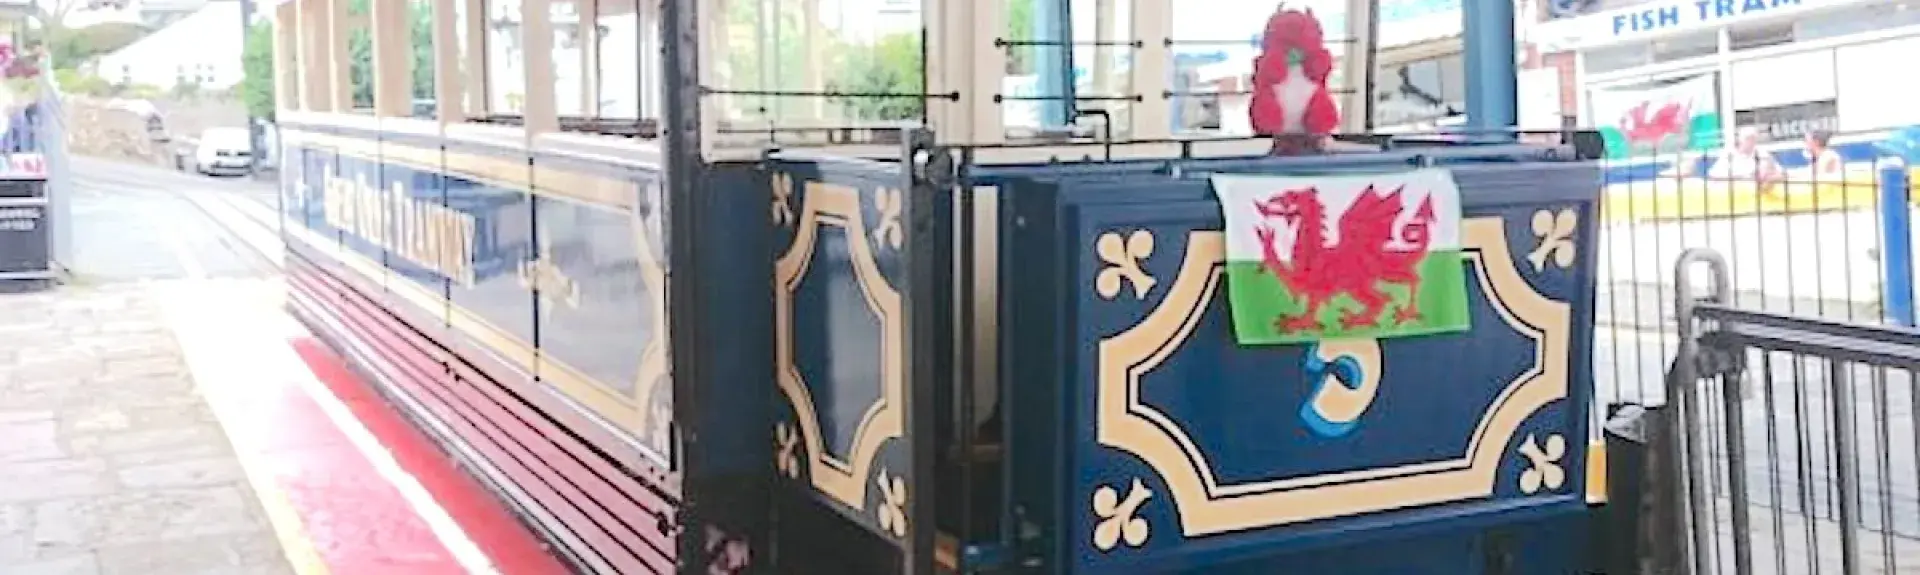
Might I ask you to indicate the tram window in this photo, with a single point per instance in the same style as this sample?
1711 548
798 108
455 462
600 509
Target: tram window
1103 57
570 40
420 30
360 55
617 79
1420 92
506 79
810 69
1213 53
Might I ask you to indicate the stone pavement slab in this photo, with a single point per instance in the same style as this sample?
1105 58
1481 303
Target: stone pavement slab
110 462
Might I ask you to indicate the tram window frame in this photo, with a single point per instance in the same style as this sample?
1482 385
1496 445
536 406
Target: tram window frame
577 115
499 101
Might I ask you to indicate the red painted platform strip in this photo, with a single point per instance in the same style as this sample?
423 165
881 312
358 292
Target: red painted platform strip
350 486
351 518
513 550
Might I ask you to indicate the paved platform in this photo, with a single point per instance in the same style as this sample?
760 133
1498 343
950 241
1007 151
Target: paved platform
192 427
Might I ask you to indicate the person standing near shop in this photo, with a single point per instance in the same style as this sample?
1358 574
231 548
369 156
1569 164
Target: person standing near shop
1744 160
1825 163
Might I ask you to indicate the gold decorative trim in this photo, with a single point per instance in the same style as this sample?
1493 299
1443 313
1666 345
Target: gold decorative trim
836 205
1554 230
518 175
1121 264
1596 472
1207 507
782 208
1119 519
786 450
888 202
653 370
1543 464
891 516
542 277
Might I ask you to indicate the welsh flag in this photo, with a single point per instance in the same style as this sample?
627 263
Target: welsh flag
1335 256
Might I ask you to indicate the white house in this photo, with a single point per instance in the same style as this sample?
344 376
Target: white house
203 47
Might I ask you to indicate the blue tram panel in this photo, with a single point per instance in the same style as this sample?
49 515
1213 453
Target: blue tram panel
1180 450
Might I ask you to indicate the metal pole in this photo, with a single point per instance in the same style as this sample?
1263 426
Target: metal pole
1846 464
1896 248
681 132
253 122
1690 456
1487 39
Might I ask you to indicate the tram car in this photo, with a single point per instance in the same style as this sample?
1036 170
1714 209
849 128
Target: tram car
938 351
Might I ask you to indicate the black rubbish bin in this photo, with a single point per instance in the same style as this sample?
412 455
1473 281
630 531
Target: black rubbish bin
26 262
1619 525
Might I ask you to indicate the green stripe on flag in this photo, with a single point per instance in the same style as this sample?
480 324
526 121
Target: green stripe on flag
1259 299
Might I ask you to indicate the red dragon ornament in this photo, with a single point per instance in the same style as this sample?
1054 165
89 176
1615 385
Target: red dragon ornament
1366 255
1290 99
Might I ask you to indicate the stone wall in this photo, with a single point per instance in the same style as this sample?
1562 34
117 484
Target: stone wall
98 129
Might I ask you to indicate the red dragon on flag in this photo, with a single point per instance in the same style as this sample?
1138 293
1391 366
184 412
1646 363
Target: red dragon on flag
1365 255
1317 257
1644 128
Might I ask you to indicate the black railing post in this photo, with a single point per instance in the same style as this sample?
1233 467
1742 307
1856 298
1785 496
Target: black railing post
929 171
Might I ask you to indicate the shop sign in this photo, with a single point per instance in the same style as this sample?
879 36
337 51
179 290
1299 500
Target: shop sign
1792 121
1641 22
1655 17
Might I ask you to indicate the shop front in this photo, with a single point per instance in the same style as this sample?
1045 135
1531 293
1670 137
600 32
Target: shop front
1670 81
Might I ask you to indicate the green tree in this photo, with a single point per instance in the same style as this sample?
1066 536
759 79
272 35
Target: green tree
256 62
1020 29
748 65
891 66
360 52
71 46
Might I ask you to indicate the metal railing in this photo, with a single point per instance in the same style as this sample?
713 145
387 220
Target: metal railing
1789 441
1794 242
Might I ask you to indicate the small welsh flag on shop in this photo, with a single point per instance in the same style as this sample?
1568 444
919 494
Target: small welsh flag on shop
1314 257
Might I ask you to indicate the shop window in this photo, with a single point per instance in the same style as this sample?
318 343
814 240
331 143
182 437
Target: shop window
1686 47
1784 79
506 78
1750 37
1792 121
1611 59
1871 97
1856 20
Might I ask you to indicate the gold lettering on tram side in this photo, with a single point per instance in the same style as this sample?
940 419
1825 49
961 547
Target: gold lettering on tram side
423 233
541 276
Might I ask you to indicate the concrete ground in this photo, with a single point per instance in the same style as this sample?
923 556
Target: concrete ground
111 462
